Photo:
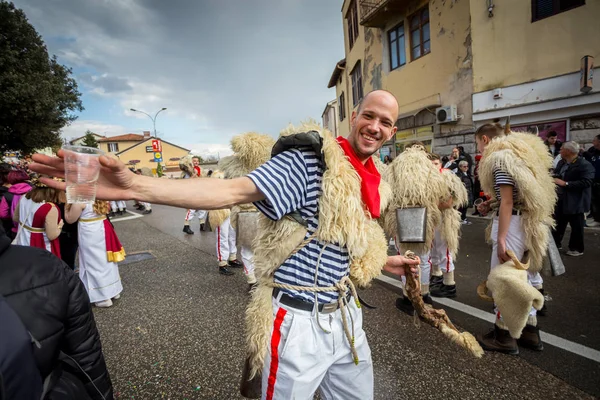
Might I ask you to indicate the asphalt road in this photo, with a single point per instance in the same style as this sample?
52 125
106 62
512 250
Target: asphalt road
177 331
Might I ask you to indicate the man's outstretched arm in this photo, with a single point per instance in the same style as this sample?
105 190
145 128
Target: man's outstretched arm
117 182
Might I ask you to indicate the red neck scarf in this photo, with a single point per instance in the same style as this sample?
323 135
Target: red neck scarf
369 178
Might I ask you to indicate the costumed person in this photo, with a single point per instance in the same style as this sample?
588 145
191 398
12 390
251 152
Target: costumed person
514 171
17 187
467 182
445 242
225 236
251 150
117 208
416 182
39 218
99 251
190 168
319 199
420 188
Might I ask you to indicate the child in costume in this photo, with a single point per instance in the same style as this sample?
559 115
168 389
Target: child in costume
514 171
99 252
39 218
190 168
442 254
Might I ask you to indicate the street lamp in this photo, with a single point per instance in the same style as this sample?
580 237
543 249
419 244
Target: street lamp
153 119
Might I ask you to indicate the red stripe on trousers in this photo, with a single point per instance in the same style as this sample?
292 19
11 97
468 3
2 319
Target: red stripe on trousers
219 243
447 260
275 339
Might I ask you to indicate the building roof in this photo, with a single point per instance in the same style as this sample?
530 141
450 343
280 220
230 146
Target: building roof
146 140
330 104
128 137
339 67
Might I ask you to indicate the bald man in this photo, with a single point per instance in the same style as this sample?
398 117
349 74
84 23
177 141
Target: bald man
301 356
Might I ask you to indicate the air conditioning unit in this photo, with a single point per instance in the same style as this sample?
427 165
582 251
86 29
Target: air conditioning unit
446 114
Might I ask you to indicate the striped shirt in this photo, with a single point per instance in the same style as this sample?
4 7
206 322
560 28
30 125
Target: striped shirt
504 178
291 181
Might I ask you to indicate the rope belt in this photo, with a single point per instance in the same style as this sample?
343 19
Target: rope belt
340 287
30 229
92 219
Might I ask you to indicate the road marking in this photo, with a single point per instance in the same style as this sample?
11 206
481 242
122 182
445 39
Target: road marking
548 338
134 216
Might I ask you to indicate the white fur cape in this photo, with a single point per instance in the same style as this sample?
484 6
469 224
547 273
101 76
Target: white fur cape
342 220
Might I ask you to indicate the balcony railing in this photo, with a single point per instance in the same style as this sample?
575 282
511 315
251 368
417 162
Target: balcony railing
375 13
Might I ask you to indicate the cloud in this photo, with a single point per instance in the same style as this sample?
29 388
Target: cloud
105 84
79 127
229 67
209 150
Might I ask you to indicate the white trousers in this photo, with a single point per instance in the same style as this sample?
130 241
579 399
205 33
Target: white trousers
303 358
226 246
440 255
248 261
118 205
515 241
201 214
147 206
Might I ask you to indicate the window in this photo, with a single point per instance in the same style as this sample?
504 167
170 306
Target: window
397 52
113 147
541 9
352 22
419 33
357 90
342 108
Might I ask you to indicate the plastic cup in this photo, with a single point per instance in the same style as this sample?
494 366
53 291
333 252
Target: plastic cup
82 167
478 202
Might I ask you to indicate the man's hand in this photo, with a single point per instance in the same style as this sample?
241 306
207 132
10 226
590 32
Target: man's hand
560 182
502 256
115 181
398 265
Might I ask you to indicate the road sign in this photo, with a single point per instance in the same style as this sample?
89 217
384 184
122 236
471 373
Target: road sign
158 156
156 145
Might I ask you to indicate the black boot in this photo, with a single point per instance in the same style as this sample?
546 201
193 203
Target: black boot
530 338
435 281
225 271
444 291
186 229
403 304
235 264
202 227
498 340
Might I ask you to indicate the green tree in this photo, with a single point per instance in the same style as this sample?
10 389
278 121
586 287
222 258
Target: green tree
89 140
37 94
159 170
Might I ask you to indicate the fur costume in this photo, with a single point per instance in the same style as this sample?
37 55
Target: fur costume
451 219
513 294
415 182
217 217
251 150
186 166
343 222
525 157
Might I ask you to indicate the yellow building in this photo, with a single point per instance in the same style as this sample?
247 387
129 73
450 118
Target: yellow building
136 150
454 65
528 63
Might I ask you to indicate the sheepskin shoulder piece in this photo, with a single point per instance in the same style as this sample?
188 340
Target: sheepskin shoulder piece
342 220
415 182
525 157
513 296
186 166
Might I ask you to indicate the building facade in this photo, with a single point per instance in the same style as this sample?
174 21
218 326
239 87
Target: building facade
330 117
454 65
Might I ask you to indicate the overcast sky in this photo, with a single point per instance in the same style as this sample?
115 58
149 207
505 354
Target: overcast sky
221 67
